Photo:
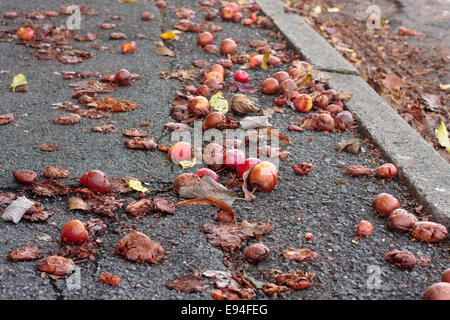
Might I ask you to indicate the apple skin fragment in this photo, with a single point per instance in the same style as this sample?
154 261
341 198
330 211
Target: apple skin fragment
15 211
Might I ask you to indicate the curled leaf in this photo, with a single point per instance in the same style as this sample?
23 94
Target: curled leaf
442 136
15 211
162 50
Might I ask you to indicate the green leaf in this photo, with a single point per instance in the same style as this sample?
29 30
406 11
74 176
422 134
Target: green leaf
219 103
442 136
264 60
18 81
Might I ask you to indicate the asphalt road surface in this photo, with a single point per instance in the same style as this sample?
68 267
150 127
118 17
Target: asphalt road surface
315 203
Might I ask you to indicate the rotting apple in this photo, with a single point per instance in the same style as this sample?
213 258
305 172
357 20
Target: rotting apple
180 151
25 33
303 103
97 181
233 157
263 176
74 231
207 172
247 165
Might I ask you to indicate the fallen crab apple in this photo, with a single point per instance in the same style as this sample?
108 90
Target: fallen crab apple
128 47
263 176
180 151
25 33
96 181
384 204
247 165
74 231
123 78
241 76
207 172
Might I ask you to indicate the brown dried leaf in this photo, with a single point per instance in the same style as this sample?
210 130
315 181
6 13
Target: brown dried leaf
55 172
56 265
299 255
26 253
138 247
187 284
162 50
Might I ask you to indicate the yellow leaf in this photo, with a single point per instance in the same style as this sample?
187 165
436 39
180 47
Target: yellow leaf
442 136
18 81
171 35
266 58
333 10
137 185
188 163
317 10
219 103
444 86
126 0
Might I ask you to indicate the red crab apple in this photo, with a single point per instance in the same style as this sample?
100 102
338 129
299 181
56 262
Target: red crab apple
96 181
255 62
247 165
123 78
233 157
25 33
25 176
228 46
303 103
180 151
207 172
205 38
241 76
384 204
270 86
74 231
263 176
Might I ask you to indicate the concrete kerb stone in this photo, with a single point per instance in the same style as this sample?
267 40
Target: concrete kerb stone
423 170
305 40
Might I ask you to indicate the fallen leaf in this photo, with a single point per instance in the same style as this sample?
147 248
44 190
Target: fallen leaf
265 58
137 185
255 122
76 203
56 265
15 211
187 284
352 146
219 103
206 201
138 247
109 278
18 81
26 253
162 50
299 255
6 118
188 163
207 187
442 136
171 35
